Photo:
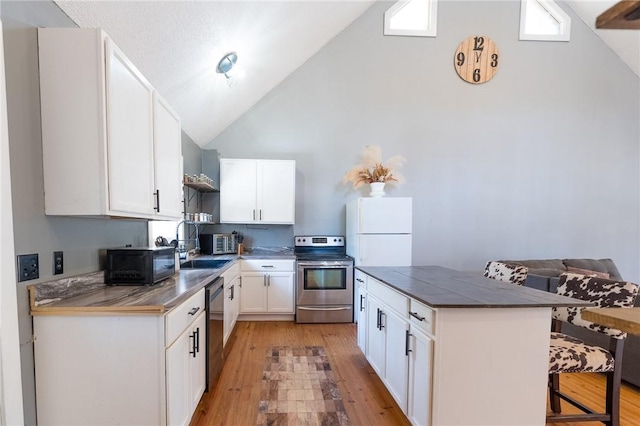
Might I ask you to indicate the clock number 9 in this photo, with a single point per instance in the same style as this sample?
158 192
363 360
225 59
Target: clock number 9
494 60
460 59
476 75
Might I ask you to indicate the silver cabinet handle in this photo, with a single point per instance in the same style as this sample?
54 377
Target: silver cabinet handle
360 280
267 266
194 310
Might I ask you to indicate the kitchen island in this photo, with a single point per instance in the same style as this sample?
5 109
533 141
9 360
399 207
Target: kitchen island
456 348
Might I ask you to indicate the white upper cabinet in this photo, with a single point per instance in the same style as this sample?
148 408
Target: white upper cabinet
257 191
167 154
129 135
98 131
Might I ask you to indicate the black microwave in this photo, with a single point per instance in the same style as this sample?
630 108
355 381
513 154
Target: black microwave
139 265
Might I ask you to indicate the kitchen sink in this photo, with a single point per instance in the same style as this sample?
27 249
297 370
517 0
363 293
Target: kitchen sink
204 263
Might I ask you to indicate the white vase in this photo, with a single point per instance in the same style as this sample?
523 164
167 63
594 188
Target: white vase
377 189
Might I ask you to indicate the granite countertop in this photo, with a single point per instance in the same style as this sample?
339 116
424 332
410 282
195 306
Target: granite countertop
88 294
441 287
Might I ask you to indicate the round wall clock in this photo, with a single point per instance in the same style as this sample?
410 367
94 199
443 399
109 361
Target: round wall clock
476 59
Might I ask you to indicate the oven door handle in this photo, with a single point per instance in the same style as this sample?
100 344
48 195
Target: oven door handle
320 264
310 308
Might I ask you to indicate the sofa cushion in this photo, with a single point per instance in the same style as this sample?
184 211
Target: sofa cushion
599 265
588 272
550 264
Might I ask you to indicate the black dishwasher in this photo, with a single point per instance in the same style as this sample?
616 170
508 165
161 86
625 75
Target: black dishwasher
214 304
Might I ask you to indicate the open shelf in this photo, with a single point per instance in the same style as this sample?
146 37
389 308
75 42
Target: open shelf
201 186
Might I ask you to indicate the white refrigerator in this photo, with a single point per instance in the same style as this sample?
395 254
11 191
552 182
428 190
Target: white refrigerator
379 231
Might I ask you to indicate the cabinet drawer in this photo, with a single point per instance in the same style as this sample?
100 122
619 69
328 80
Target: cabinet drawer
422 316
231 273
266 265
388 296
360 279
180 317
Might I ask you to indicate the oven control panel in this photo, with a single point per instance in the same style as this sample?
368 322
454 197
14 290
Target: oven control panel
319 241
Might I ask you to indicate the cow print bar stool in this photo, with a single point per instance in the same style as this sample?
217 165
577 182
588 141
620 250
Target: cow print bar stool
515 274
568 354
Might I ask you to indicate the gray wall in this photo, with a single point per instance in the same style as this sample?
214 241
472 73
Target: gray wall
79 239
540 162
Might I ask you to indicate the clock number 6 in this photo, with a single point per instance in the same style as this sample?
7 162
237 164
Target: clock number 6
460 59
476 75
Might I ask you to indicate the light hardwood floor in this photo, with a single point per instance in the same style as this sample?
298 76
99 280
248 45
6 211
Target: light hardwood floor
234 401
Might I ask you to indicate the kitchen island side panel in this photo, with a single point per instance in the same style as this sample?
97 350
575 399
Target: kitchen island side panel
491 366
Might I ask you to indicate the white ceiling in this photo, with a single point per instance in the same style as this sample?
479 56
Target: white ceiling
177 45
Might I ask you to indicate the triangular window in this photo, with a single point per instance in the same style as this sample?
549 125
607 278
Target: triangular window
411 18
543 20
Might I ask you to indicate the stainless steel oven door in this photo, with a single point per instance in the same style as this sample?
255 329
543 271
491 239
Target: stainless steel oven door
321 283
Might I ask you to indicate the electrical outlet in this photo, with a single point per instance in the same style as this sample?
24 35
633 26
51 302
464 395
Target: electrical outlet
58 263
28 267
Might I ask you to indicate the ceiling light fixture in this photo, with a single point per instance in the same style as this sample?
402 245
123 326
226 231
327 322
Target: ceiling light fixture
225 66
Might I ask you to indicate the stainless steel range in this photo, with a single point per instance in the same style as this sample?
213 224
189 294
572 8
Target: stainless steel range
324 290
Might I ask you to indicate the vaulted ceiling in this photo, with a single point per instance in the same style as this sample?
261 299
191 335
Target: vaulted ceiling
177 46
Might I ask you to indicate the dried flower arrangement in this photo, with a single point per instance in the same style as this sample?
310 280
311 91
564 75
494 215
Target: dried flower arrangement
372 169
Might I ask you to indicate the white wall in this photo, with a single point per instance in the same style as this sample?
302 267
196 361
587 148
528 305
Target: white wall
540 162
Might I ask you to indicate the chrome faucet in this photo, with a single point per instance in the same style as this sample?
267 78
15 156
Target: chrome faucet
186 240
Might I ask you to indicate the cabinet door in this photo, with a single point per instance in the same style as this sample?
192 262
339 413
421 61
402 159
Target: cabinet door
177 379
253 297
167 152
238 191
396 357
129 135
276 191
361 316
231 294
280 292
419 404
375 336
197 367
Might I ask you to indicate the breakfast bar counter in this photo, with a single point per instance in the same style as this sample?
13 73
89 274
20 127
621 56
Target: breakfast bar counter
456 348
440 287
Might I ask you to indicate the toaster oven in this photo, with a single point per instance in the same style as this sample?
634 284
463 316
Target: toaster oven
218 243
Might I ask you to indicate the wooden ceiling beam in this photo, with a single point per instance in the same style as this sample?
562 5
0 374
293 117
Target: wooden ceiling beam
624 15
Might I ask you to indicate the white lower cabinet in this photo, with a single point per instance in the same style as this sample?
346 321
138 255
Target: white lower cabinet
361 317
267 286
398 346
231 300
125 369
186 378
419 407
